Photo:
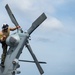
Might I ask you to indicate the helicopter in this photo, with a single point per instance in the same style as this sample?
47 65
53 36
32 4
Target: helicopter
16 43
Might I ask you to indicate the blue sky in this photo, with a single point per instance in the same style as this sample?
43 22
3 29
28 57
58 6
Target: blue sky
53 41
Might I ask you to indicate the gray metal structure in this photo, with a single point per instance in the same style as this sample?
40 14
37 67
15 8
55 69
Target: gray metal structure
16 43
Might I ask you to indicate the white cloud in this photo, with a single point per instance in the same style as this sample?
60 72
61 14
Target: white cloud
23 4
53 23
31 5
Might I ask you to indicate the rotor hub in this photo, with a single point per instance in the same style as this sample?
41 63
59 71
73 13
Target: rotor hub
13 40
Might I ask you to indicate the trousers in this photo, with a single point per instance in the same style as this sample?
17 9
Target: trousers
4 47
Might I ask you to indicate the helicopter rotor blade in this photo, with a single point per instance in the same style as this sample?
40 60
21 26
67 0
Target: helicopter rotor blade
32 61
36 23
12 17
35 59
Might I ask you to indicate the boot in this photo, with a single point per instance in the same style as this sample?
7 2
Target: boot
2 60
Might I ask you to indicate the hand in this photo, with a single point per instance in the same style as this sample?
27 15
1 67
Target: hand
3 38
17 27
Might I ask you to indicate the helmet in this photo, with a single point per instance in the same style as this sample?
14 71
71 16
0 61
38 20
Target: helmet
5 26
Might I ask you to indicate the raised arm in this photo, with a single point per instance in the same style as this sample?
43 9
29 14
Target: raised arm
12 29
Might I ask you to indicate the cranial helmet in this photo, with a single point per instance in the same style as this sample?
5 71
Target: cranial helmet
5 26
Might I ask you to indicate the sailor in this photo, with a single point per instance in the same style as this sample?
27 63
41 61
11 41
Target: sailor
3 36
